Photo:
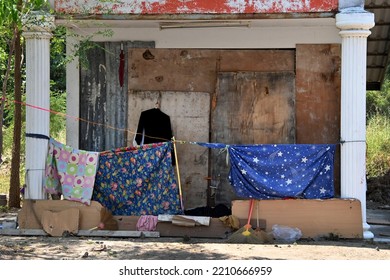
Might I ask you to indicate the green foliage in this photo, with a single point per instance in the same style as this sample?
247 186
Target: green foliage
378 146
378 102
58 60
86 43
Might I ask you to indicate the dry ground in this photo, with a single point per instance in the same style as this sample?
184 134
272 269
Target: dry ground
73 248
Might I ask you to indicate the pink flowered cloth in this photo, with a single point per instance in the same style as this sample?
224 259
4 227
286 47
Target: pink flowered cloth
147 223
70 172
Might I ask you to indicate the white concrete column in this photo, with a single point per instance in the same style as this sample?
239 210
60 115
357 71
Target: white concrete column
73 93
37 29
354 25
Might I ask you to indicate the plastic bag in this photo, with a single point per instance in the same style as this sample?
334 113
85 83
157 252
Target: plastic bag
286 234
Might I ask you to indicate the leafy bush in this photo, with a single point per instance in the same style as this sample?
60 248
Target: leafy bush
378 146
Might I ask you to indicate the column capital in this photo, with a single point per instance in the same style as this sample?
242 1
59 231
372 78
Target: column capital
38 24
351 19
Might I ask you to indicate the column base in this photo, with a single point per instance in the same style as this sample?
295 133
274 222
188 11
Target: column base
366 233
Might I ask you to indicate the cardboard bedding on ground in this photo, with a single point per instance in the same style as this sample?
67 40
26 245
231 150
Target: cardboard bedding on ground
315 218
56 217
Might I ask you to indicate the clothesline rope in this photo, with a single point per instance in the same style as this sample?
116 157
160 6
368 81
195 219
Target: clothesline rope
87 121
64 115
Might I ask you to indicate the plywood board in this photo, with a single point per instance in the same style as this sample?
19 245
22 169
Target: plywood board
197 69
318 82
318 93
256 60
249 108
315 218
189 113
172 70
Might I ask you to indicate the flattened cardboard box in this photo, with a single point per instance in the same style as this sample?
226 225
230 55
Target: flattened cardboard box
314 217
91 216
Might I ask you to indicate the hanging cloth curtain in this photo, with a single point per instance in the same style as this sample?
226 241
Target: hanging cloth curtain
280 171
121 67
135 181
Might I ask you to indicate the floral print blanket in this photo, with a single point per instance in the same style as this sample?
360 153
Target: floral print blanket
135 181
70 172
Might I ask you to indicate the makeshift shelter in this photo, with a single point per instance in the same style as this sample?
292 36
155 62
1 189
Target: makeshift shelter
230 72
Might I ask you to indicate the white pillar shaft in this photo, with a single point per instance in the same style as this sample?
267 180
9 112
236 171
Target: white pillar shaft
37 120
37 34
354 32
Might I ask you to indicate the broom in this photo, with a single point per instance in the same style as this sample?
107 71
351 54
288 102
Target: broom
265 237
246 234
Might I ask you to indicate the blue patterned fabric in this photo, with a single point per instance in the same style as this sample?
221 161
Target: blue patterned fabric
280 171
138 181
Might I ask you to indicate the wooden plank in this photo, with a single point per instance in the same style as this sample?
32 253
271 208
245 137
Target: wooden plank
118 233
204 221
23 232
84 233
378 217
314 217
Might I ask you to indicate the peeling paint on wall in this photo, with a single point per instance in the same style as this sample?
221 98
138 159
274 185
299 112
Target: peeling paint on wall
193 6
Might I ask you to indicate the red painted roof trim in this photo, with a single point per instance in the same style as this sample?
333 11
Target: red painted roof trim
161 7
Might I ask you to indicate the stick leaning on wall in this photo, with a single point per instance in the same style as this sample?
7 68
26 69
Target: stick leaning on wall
178 174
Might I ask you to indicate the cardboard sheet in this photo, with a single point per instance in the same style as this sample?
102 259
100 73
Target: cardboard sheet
60 223
314 217
30 216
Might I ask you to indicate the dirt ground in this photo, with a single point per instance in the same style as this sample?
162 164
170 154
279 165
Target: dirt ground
75 248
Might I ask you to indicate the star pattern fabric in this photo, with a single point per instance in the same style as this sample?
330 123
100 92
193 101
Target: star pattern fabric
267 171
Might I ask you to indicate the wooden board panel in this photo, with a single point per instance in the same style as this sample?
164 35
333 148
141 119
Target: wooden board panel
256 60
318 93
196 70
189 113
315 218
249 108
172 70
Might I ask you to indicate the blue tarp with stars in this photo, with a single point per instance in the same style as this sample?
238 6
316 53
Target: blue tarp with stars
268 171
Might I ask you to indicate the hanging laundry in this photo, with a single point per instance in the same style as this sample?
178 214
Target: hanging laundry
70 172
280 171
137 181
154 126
